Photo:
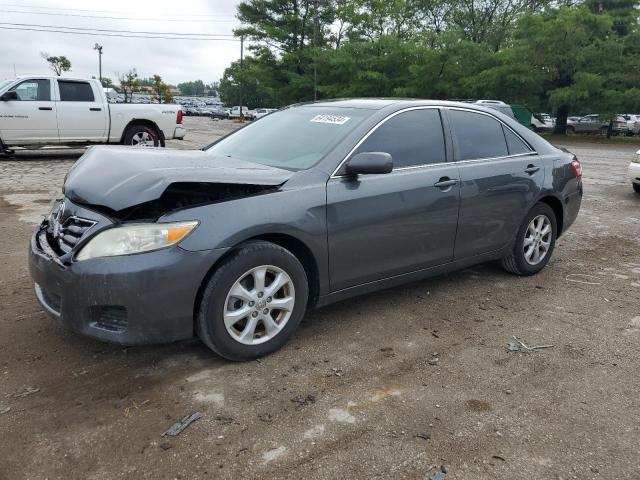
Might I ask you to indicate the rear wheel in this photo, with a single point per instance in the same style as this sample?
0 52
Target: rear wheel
636 187
253 302
570 130
141 136
534 242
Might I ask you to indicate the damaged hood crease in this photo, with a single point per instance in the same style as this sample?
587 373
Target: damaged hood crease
117 178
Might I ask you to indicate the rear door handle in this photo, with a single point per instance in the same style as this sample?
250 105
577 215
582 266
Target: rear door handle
95 109
445 182
531 169
45 108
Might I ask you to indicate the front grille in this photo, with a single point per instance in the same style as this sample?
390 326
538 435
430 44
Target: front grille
71 231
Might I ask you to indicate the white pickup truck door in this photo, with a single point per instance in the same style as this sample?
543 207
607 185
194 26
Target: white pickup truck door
31 118
82 112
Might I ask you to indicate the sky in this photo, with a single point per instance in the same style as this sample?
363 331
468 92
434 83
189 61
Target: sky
176 60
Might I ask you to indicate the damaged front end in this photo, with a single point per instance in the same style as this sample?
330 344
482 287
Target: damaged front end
182 195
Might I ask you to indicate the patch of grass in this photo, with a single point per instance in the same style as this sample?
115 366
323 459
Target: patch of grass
578 139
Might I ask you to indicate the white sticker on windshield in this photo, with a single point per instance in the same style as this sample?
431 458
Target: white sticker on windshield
333 119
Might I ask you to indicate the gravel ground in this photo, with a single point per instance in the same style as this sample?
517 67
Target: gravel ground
349 395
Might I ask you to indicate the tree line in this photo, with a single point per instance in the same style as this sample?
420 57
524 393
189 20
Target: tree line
558 56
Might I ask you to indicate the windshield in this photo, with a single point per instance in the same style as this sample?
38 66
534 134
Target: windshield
294 139
4 83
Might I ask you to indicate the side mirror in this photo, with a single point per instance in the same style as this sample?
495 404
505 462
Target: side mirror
6 96
369 163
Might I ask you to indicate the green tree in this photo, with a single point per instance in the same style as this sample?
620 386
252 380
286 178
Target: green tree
129 83
160 90
192 88
57 64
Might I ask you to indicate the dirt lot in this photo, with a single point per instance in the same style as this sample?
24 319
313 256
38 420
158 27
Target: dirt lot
347 397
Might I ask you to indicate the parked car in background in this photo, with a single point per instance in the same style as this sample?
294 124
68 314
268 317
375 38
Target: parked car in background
497 105
261 112
542 122
633 123
70 111
217 112
634 172
310 205
246 113
594 124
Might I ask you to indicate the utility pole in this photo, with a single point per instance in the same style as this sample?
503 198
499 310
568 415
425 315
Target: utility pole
241 79
99 49
316 25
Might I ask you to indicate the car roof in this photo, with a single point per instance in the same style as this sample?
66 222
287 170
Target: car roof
380 103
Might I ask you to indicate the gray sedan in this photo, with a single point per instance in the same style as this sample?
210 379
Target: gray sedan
313 204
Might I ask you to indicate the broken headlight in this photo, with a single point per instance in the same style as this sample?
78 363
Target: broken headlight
142 237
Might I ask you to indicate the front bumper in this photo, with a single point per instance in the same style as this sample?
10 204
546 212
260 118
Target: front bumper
180 132
634 172
130 300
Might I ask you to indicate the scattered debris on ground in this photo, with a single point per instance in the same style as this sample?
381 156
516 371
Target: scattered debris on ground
302 400
5 410
519 346
424 435
26 392
440 474
178 427
583 278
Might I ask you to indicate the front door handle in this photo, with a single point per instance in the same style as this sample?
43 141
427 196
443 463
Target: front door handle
45 108
531 169
445 183
95 109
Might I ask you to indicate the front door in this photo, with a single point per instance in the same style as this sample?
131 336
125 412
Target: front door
82 115
385 225
500 178
31 118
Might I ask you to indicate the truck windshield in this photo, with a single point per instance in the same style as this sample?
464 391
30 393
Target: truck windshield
293 139
4 83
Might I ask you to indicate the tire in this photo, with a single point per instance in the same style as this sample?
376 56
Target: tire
517 261
238 342
636 187
570 130
142 136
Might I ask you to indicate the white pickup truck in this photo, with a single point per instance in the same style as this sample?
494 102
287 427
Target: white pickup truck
41 110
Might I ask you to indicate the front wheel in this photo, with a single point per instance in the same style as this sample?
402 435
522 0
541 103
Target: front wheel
141 136
534 243
253 302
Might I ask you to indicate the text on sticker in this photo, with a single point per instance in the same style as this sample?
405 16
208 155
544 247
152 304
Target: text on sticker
333 119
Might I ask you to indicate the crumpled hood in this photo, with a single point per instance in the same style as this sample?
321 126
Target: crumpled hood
120 177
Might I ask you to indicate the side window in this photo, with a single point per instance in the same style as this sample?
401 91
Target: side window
33 91
75 91
514 143
412 138
477 135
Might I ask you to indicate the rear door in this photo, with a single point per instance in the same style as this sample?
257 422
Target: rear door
82 115
389 224
501 176
31 119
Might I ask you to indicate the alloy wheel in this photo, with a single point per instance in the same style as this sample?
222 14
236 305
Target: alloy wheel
143 139
537 239
259 305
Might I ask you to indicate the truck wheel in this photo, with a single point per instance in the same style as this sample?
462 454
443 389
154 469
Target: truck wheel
534 242
253 302
141 136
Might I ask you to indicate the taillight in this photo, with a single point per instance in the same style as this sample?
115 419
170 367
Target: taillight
577 168
179 118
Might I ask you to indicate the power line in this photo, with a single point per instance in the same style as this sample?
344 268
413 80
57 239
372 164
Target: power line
104 11
120 18
97 34
119 31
